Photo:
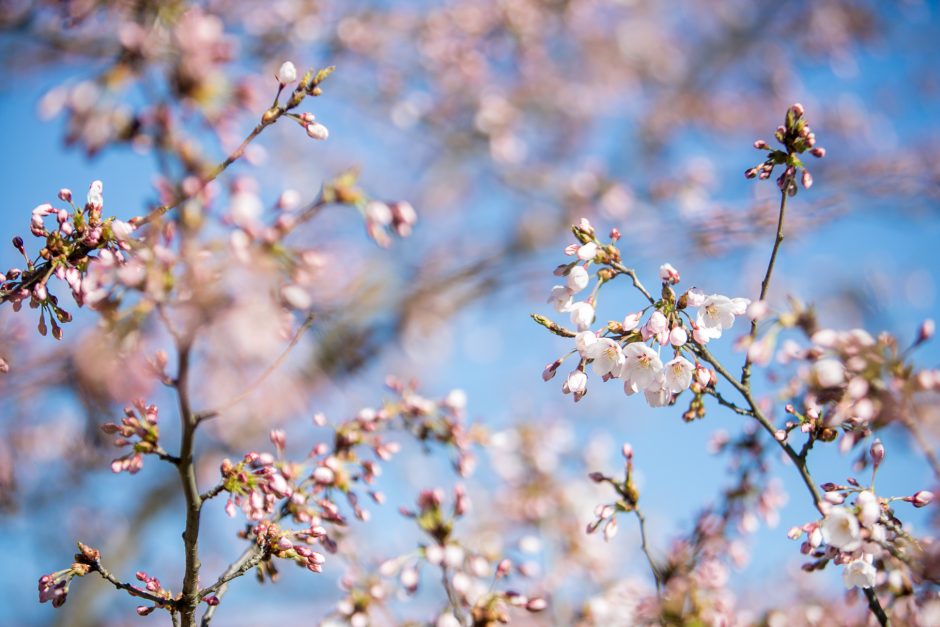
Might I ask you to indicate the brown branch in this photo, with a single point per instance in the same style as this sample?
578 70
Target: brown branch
875 606
134 591
189 598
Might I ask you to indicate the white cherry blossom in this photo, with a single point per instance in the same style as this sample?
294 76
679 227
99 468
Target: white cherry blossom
678 336
859 573
828 373
840 529
560 298
657 397
678 374
607 355
583 341
582 315
587 252
717 313
576 384
642 367
578 279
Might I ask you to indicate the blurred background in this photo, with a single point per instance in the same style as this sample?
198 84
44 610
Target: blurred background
503 122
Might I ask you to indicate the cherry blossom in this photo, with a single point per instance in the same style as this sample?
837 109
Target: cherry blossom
642 368
607 355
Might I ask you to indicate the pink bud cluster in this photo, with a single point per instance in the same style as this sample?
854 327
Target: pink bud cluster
154 587
865 537
605 514
797 137
256 484
383 218
285 544
64 255
138 430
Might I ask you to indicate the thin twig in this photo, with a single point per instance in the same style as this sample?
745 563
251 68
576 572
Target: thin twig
131 590
248 391
645 547
765 284
248 560
212 492
723 401
758 415
630 272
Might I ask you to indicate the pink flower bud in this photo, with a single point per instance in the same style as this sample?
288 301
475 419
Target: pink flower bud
807 179
922 498
65 195
926 331
536 604
627 451
877 452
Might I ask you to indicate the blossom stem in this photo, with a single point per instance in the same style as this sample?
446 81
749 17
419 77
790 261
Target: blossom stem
630 272
131 590
759 416
765 284
251 557
645 547
875 606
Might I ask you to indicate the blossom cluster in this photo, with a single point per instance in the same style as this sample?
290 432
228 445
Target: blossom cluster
865 537
468 576
140 431
632 349
797 137
65 255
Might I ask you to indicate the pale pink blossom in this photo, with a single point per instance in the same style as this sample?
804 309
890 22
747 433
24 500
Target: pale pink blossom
95 198
869 508
668 274
642 367
717 313
578 279
560 298
582 315
587 252
607 355
583 341
828 373
317 131
840 529
678 336
678 374
575 384
859 573
632 321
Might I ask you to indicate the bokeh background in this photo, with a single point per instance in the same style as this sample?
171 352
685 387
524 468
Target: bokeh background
502 122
